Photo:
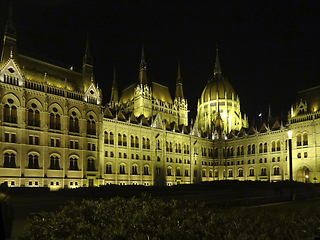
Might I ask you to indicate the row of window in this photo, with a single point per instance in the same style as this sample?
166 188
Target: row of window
263 172
122 169
10 116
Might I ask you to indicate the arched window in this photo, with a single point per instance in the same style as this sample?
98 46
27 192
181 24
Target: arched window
108 168
231 152
132 141
187 149
124 139
146 170
178 172
240 172
122 169
54 163
148 143
179 148
186 172
73 164
249 149
265 149
106 138
305 139
158 145
170 146
169 171
134 170
10 114
204 172
230 173
90 165
119 139
216 173
260 148
210 173
176 147
278 146
238 151
137 142
91 127
167 146
33 118
9 160
299 140
242 150
253 149
249 161
273 146
263 171
33 161
74 124
144 143
276 171
251 172
111 138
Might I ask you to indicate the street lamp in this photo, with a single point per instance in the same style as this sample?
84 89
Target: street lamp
290 163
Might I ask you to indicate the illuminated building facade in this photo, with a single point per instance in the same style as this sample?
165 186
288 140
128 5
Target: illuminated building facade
55 131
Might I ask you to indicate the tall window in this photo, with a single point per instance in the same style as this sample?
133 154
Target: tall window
33 161
91 126
73 164
124 139
90 165
146 170
276 171
203 173
260 148
33 118
273 146
10 113
251 172
111 138
305 139
249 149
9 160
109 168
169 171
278 146
253 149
119 139
263 172
137 142
230 173
54 163
122 169
55 121
144 143
178 172
299 140
74 124
106 138
186 172
240 172
134 170
132 141
265 149
148 143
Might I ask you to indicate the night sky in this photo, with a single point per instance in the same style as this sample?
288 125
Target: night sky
268 50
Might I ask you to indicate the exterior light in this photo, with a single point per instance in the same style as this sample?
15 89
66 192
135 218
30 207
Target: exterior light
290 134
307 176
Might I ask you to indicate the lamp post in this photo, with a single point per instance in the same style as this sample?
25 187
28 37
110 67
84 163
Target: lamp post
290 163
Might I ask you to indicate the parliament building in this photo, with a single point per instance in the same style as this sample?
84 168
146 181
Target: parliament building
56 132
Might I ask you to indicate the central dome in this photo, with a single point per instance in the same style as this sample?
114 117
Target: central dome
216 89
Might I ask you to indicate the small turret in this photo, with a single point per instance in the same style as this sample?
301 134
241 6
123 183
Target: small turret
143 69
114 89
179 89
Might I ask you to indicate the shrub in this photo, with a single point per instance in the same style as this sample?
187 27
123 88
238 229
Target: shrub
147 218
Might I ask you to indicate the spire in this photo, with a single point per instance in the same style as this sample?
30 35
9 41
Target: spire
269 115
114 88
10 39
217 68
143 69
179 89
87 59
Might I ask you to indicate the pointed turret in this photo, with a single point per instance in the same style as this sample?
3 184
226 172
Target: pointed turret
217 68
9 49
269 115
179 89
114 89
87 67
143 69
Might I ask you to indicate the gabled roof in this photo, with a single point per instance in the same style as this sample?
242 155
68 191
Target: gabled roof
252 130
133 119
276 126
107 113
263 128
121 116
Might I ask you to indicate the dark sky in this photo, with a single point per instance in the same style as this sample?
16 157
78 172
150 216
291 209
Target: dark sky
268 49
